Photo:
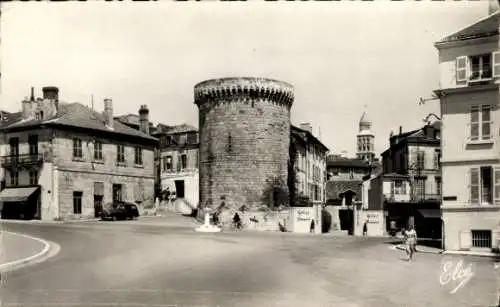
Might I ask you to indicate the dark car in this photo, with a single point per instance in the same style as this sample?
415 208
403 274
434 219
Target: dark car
120 211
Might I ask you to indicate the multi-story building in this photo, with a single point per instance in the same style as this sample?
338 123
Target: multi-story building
416 154
179 164
6 118
310 163
64 160
469 65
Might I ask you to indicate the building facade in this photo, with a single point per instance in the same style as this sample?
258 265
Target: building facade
64 160
469 65
310 163
179 165
416 154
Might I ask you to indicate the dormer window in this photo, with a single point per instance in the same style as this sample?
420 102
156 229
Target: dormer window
478 68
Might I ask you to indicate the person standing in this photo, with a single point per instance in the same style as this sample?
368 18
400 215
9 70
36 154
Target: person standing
365 228
311 230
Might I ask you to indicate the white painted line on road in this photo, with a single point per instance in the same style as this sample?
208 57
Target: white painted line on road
44 251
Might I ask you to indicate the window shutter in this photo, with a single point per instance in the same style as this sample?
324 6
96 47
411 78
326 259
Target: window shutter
461 68
496 177
486 122
474 123
496 64
474 185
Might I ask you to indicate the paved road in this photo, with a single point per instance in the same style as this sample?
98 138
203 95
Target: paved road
15 247
131 264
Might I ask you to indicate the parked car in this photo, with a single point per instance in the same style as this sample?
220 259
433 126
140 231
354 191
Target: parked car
119 211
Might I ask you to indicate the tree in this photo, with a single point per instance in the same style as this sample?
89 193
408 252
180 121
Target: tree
276 193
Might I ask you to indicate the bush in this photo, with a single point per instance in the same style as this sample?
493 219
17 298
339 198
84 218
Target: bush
275 194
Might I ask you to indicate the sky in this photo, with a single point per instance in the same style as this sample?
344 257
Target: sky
341 57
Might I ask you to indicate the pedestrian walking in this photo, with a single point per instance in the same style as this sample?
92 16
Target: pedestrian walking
411 242
311 230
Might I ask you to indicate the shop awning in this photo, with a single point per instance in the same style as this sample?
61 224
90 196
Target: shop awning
430 213
16 194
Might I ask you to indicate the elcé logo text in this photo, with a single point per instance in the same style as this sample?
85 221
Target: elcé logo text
457 272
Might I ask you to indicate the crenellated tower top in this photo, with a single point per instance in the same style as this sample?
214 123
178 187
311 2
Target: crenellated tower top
243 88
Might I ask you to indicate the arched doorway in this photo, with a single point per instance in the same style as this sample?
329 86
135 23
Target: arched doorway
346 212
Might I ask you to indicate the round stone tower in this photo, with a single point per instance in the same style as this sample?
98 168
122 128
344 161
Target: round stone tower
244 126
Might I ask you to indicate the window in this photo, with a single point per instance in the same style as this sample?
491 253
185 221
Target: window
484 185
419 188
120 154
437 158
138 156
480 123
167 163
77 148
33 177
481 238
169 140
33 144
14 178
438 185
478 67
97 150
77 202
182 139
183 162
14 146
420 163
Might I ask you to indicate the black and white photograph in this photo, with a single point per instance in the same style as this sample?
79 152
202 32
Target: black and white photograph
250 153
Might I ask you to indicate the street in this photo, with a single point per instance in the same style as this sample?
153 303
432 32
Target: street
132 264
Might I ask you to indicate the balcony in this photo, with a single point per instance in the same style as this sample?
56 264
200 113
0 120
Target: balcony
21 161
425 197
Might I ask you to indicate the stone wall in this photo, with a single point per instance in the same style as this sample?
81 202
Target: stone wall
244 138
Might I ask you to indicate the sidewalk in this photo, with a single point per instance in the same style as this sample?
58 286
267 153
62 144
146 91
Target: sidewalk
18 249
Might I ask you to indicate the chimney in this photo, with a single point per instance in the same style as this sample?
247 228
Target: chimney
108 112
144 119
32 98
50 92
400 130
306 126
494 5
28 108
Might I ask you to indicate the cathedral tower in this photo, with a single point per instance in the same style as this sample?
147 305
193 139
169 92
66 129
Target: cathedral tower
366 140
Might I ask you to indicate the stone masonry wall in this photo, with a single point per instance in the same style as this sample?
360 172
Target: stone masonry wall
244 138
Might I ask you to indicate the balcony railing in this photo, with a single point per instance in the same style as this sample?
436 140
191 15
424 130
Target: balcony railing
421 197
21 160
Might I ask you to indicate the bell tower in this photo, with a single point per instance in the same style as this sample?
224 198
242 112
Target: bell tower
365 139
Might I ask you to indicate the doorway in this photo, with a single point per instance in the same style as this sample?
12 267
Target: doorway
97 205
117 193
179 188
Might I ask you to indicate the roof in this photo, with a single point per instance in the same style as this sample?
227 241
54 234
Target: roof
346 162
417 134
365 119
306 136
80 116
335 188
485 27
7 118
182 128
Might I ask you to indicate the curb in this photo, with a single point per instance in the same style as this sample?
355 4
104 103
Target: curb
469 253
28 260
